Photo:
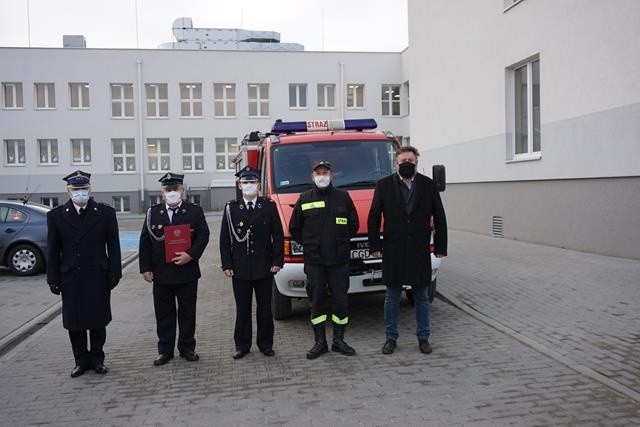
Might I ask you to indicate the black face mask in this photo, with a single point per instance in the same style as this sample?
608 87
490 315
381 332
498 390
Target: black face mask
407 170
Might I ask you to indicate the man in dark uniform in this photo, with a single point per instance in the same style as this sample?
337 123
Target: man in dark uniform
176 280
323 220
83 264
251 250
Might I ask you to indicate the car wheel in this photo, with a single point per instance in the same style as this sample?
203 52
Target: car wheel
25 260
280 304
432 290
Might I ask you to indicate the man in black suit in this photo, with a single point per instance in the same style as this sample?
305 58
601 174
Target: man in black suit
251 250
176 280
84 264
407 200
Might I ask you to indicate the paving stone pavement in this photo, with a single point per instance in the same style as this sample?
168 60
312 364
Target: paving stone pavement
583 306
475 376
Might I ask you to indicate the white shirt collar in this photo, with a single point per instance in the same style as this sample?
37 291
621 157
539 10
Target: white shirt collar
246 201
169 207
79 207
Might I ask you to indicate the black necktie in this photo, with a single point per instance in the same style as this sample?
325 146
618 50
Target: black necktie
173 214
250 207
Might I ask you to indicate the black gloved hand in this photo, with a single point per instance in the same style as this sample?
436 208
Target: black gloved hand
55 289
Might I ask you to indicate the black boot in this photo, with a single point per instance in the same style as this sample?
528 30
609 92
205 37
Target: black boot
338 341
320 345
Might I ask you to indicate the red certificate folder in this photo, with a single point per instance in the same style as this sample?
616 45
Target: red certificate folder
177 238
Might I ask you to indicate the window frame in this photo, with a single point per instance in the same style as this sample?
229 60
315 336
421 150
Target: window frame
324 87
121 199
49 89
355 87
225 100
123 101
297 87
258 100
78 86
124 155
511 103
229 166
193 154
159 155
390 101
157 101
16 143
82 150
191 100
50 142
14 95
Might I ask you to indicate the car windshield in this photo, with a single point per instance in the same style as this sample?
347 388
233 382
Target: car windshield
355 164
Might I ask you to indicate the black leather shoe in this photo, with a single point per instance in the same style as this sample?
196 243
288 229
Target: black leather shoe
190 356
77 371
239 354
100 368
425 347
388 347
162 359
268 352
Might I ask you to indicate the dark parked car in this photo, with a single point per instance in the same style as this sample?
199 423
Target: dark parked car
23 237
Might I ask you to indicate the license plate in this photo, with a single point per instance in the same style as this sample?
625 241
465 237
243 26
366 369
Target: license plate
359 253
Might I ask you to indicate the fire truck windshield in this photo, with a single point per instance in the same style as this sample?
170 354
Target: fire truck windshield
355 164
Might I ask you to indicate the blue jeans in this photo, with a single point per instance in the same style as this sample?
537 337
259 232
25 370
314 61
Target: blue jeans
391 306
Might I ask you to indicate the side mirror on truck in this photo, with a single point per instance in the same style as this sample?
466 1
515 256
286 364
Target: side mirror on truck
439 177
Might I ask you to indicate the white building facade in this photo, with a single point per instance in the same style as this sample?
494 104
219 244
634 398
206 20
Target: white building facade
129 116
534 107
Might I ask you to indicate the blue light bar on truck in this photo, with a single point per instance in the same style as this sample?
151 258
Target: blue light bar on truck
323 125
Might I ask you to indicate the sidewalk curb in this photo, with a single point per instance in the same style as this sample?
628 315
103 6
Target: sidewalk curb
39 321
580 368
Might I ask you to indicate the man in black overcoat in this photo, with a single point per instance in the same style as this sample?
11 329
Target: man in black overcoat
84 265
407 200
252 251
175 281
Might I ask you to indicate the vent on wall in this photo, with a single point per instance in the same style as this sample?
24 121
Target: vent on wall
497 226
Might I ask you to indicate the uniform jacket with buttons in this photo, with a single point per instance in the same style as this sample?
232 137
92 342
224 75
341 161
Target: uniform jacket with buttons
406 259
84 260
151 251
251 259
324 220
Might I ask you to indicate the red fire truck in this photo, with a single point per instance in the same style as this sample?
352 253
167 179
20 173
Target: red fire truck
359 157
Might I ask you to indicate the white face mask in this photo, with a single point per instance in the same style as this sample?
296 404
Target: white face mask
80 197
249 190
172 197
322 181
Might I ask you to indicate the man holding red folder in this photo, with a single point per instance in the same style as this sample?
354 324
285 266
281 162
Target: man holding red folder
173 238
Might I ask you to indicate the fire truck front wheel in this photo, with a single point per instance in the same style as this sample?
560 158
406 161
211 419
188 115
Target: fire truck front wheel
280 304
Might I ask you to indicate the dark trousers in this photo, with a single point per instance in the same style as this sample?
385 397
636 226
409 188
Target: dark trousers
84 357
164 302
323 280
243 293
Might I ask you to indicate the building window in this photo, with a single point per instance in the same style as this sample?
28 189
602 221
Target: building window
155 199
390 100
526 110
407 98
194 198
121 203
15 151
355 95
191 99
326 95
224 99
45 95
52 202
192 154
258 99
297 95
226 151
48 149
80 151
157 99
12 95
158 154
124 155
121 100
79 95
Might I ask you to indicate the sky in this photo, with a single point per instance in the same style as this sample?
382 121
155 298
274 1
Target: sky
349 25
